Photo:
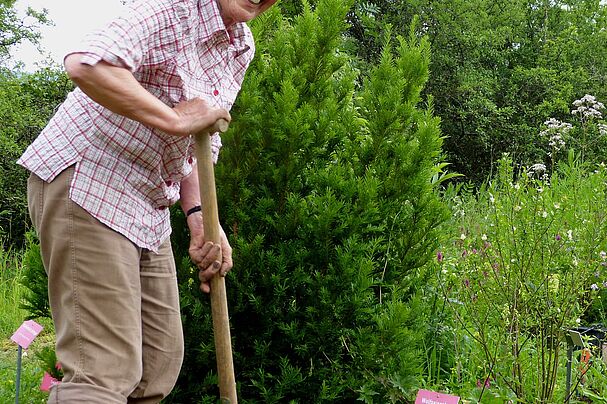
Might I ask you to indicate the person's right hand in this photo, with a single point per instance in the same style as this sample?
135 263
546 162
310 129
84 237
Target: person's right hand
196 116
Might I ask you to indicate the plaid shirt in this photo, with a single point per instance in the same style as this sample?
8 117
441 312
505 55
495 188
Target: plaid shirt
127 174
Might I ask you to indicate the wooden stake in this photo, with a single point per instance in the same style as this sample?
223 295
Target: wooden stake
219 303
18 381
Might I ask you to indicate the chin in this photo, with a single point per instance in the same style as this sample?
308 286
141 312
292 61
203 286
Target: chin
239 11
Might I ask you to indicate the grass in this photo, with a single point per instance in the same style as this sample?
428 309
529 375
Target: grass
10 293
11 317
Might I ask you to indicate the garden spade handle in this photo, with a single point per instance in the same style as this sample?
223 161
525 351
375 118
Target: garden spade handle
219 303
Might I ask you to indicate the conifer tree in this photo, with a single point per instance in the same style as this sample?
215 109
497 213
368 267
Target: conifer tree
325 189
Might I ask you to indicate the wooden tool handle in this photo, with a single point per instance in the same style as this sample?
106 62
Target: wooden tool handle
219 303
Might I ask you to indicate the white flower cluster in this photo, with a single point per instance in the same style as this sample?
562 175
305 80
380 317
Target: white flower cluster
588 107
602 129
537 168
555 130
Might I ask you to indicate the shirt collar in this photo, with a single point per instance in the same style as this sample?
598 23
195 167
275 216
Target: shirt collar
212 23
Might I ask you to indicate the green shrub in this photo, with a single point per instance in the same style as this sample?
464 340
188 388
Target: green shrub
325 189
34 280
27 101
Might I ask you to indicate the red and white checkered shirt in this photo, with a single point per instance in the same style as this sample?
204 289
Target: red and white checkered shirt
127 174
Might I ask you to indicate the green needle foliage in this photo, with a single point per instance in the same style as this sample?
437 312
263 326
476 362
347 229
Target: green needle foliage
324 187
35 281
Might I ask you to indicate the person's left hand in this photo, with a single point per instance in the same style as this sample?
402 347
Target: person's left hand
212 259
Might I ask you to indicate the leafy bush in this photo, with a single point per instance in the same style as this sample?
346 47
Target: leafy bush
325 187
34 280
528 262
27 101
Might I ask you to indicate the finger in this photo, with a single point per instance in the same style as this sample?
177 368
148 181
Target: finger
221 118
204 256
224 114
196 243
207 274
204 249
226 265
205 287
212 256
225 269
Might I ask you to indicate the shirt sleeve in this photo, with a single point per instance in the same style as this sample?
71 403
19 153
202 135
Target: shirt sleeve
134 37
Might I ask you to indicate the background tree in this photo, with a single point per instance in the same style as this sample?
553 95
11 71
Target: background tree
499 68
14 30
27 101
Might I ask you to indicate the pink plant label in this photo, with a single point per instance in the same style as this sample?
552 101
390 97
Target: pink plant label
25 334
430 397
48 381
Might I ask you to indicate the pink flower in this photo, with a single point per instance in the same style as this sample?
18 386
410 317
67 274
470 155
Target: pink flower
439 256
486 383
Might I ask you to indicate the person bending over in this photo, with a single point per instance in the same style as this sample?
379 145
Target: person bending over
116 154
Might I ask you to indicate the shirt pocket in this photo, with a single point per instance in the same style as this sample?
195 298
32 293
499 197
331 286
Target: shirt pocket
168 85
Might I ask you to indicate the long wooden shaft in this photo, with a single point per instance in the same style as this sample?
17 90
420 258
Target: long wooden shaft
219 303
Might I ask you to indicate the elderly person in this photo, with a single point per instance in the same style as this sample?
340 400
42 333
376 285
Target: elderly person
115 155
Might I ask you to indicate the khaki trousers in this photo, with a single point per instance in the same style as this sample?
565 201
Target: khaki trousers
115 306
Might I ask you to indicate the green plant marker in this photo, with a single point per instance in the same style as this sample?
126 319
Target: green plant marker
18 381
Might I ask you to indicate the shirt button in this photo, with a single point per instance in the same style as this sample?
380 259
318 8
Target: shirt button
169 183
162 207
190 160
216 93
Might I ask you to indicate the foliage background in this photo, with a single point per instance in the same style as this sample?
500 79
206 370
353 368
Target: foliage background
27 101
329 188
497 71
